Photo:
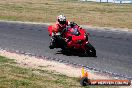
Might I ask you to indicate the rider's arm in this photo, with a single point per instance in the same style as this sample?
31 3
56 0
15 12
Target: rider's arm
68 22
55 28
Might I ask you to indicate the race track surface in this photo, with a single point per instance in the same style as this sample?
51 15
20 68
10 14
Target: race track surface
114 48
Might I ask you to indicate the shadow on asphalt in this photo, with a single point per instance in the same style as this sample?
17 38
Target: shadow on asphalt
66 53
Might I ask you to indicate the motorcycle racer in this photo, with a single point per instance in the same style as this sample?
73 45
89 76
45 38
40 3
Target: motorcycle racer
73 38
60 24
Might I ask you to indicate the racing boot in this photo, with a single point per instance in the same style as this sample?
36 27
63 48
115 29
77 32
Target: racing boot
52 43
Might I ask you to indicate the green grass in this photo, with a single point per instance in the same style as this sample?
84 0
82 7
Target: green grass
14 76
88 13
5 60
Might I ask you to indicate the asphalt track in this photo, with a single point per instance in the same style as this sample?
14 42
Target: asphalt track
114 48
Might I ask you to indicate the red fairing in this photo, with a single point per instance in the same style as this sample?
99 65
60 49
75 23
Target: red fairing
80 37
74 42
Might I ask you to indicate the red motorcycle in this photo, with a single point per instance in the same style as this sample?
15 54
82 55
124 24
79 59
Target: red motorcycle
73 39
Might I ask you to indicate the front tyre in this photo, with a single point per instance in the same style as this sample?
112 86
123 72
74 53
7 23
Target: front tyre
90 50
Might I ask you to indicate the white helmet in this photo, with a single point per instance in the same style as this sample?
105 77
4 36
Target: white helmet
61 19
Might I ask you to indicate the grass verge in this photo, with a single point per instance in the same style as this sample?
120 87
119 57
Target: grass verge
14 76
88 13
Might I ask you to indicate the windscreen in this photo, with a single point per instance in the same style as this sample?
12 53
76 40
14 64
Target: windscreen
74 31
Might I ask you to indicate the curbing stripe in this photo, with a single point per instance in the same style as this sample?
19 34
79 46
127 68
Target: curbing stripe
115 75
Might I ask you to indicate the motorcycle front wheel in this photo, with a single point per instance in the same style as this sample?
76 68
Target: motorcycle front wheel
90 50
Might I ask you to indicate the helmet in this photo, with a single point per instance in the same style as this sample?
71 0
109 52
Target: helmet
61 19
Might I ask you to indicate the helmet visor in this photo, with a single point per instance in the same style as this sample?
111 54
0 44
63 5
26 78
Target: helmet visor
62 22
